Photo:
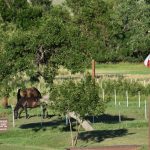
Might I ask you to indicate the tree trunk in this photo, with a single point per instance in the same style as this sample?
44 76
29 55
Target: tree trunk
85 124
77 133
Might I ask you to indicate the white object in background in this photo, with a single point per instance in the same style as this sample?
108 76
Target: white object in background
147 61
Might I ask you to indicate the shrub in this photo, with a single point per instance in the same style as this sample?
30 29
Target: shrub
81 97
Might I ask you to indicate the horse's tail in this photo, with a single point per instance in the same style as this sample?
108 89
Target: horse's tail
18 95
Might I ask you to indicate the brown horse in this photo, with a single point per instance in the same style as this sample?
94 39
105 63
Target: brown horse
28 98
30 102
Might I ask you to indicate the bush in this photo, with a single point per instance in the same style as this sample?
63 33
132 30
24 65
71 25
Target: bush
81 97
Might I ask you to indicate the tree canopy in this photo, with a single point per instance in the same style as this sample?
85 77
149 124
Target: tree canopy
37 37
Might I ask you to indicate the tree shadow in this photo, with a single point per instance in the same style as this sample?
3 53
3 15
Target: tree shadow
42 125
98 136
38 115
106 118
61 125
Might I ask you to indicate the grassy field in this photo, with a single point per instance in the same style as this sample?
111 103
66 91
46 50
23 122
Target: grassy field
129 70
28 134
123 68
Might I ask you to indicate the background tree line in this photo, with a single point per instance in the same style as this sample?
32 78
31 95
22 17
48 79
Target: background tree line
37 37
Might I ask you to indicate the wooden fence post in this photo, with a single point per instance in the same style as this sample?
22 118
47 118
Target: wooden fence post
93 69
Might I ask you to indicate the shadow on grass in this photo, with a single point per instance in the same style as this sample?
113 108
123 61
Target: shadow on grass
106 118
38 115
60 123
98 135
42 125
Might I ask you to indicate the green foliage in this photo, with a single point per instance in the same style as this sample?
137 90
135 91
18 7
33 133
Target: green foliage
20 13
80 97
130 25
119 29
18 55
37 37
92 18
122 85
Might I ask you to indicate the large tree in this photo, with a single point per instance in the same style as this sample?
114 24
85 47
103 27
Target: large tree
119 28
92 18
78 100
37 39
130 29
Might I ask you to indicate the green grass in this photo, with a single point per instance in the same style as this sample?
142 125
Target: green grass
123 68
29 135
54 135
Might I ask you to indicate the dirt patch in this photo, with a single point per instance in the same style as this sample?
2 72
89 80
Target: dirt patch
124 147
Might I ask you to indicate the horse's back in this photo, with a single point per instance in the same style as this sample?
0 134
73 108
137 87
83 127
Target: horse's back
29 93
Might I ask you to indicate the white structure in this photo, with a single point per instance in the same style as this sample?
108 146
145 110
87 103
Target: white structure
147 61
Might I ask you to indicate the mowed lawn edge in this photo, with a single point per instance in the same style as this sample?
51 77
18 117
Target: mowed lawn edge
123 68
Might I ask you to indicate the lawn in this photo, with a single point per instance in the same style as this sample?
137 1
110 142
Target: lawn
126 70
123 68
28 134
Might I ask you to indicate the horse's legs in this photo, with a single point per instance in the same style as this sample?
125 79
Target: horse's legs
22 109
44 112
27 116
43 109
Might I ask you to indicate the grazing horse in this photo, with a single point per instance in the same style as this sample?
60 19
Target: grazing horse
28 98
30 102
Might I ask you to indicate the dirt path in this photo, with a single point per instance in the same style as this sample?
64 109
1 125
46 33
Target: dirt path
124 147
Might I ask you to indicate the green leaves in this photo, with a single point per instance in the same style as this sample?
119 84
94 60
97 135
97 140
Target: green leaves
20 13
71 35
130 22
81 97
